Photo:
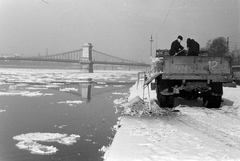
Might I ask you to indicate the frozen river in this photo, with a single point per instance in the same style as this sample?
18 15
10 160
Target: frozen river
57 115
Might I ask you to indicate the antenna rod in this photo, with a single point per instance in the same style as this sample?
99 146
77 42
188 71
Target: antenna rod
151 47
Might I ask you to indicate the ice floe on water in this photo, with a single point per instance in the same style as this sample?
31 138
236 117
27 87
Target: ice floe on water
36 148
36 88
68 90
119 93
119 101
30 142
120 86
100 86
58 75
60 126
71 102
2 110
53 85
24 93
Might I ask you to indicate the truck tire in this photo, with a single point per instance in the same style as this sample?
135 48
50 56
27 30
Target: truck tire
166 101
215 95
162 100
217 100
214 101
216 88
217 92
170 101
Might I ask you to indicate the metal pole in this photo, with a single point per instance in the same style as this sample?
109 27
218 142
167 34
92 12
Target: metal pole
156 41
228 45
151 47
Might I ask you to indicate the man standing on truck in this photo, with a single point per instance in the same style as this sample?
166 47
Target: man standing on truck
176 47
193 47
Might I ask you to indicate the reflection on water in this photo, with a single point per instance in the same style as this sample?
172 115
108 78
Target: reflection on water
88 89
84 90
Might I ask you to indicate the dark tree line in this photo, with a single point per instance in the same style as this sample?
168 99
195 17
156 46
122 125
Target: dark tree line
217 47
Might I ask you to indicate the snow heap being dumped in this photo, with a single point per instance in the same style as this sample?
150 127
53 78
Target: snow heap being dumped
30 141
134 105
137 107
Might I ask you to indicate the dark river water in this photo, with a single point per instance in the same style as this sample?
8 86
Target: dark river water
84 109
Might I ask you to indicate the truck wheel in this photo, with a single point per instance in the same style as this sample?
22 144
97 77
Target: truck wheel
170 101
162 100
216 88
217 100
214 101
209 101
166 101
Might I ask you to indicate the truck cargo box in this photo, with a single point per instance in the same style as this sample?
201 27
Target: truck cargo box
216 69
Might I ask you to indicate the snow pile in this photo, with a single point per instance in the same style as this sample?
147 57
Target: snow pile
137 107
30 141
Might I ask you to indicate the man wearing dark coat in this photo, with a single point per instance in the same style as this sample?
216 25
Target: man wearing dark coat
176 47
193 47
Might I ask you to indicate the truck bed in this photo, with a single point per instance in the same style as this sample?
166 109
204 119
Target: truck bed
216 69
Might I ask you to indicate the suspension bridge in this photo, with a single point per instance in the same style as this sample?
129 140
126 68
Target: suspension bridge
86 57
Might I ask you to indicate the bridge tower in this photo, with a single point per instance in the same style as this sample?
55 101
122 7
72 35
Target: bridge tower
87 57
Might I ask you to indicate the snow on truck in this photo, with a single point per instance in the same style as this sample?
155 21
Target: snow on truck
190 77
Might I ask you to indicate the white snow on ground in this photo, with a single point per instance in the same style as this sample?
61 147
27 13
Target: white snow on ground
30 141
194 133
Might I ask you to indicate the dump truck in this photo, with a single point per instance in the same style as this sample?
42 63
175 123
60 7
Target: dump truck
190 77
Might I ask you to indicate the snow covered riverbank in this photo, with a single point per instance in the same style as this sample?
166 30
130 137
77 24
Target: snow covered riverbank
196 133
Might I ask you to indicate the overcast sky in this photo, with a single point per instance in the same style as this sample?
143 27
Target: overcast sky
120 28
